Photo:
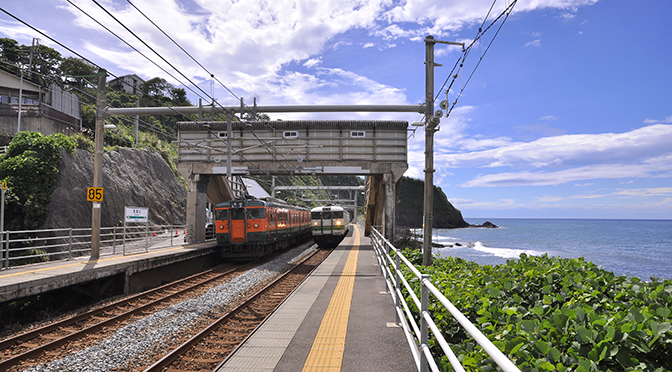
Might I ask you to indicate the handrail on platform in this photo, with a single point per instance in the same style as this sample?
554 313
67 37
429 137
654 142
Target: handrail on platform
33 246
418 336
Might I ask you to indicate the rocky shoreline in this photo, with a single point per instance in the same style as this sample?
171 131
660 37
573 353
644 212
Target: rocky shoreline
407 238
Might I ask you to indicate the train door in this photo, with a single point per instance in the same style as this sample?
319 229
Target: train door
238 229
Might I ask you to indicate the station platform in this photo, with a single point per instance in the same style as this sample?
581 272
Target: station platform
339 319
138 270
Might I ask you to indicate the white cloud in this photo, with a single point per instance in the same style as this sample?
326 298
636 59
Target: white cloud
250 45
572 150
660 191
533 43
660 167
313 62
667 120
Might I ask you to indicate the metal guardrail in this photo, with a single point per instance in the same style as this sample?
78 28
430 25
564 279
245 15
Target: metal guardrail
418 336
33 246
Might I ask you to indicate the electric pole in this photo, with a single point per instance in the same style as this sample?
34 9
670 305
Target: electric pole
432 120
98 163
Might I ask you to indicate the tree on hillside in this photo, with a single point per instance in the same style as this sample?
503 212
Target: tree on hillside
73 69
45 62
10 53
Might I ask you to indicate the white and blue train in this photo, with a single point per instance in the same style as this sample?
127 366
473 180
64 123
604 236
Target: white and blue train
329 225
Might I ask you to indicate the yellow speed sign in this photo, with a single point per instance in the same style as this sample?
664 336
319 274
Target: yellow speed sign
94 194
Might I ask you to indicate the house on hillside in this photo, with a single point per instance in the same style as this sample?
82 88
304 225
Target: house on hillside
127 84
46 110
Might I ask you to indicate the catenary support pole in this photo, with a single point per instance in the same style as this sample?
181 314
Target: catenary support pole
98 163
428 207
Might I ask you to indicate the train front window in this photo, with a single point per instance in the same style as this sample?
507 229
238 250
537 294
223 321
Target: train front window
326 215
337 214
238 214
222 214
256 213
315 215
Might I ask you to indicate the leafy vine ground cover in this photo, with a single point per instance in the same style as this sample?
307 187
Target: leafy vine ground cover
549 313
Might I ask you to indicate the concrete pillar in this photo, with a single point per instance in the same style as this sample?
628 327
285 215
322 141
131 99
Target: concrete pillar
374 203
389 206
197 201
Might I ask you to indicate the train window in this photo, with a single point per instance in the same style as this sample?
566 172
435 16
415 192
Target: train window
315 215
222 214
326 215
357 133
256 213
237 214
337 214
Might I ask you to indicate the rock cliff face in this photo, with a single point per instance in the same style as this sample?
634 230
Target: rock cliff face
131 177
410 207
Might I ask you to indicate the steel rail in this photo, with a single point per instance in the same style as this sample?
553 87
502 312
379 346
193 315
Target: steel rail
171 357
95 327
76 318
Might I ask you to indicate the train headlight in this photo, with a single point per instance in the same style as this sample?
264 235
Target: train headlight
315 223
256 225
338 223
221 226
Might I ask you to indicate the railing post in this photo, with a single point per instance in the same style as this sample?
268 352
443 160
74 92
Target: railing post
70 244
7 250
397 287
114 240
171 234
124 241
424 339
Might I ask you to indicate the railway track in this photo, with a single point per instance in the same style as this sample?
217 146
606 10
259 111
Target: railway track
210 347
31 344
45 343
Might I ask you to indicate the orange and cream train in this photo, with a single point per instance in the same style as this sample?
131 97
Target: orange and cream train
250 228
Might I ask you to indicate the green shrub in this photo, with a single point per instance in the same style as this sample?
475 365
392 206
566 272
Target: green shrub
30 166
549 313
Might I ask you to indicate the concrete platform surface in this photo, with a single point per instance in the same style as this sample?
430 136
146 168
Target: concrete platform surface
339 319
23 281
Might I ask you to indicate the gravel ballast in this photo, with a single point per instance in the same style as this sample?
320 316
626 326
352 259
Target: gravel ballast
134 343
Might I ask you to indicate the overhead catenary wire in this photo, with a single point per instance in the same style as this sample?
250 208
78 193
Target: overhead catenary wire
173 67
96 65
145 124
138 51
460 62
506 12
73 51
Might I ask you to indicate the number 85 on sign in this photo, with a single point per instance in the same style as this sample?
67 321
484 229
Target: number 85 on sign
94 194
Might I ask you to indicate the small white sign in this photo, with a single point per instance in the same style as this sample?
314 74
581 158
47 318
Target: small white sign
136 214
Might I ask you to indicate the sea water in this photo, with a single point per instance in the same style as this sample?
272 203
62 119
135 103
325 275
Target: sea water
641 248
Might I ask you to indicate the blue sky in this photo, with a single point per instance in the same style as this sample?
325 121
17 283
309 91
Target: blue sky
569 114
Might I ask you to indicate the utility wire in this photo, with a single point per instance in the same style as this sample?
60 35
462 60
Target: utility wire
75 53
506 12
467 51
194 59
160 56
135 49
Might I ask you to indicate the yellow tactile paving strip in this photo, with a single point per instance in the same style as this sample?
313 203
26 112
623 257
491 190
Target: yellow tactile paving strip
326 354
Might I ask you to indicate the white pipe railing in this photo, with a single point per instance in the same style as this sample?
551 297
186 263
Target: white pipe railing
33 246
418 336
